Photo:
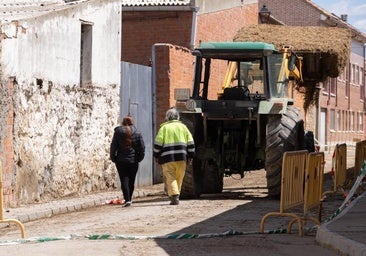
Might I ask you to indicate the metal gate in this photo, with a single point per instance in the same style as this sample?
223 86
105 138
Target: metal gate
136 100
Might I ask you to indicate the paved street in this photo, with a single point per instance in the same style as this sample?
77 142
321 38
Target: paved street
215 224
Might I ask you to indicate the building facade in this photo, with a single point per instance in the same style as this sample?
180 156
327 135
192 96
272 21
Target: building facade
59 97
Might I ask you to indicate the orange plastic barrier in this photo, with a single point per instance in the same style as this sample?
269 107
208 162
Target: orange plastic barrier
314 175
292 188
17 222
339 169
360 157
302 184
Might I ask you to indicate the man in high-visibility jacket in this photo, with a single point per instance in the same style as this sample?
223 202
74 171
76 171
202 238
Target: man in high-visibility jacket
173 149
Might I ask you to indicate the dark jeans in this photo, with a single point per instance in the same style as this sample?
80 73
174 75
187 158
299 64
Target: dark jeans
127 175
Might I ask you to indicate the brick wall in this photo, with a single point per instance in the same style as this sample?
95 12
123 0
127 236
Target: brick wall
298 13
223 25
141 30
174 66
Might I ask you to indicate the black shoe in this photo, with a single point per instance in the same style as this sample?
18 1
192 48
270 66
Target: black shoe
174 200
127 204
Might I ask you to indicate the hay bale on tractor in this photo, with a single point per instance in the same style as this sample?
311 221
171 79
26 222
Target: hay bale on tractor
325 50
326 47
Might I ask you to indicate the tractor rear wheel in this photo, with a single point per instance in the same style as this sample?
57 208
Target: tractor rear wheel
190 187
284 133
213 180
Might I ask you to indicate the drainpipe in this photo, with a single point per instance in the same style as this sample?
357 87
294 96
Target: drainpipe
153 114
194 26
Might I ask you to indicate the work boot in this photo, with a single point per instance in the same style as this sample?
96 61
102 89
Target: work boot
174 200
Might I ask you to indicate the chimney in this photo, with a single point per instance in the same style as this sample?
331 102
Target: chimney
344 17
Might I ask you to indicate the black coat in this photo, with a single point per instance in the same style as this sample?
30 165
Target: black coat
118 152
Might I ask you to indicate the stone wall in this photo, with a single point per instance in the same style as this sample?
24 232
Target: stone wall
6 139
61 140
55 133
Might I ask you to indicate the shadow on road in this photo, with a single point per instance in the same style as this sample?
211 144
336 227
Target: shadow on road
214 234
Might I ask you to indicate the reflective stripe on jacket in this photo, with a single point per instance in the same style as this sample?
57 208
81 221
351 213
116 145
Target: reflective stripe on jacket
174 142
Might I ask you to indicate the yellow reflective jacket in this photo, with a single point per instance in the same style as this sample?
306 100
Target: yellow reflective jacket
174 142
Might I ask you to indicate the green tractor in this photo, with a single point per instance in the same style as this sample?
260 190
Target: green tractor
250 124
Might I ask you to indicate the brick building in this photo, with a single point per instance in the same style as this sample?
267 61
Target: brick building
155 33
340 114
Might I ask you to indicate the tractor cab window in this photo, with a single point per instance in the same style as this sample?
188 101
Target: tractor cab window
251 74
243 81
278 84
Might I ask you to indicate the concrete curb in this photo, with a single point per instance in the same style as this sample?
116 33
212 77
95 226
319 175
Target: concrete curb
338 243
33 212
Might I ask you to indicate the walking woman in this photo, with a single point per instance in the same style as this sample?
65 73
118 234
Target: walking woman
126 151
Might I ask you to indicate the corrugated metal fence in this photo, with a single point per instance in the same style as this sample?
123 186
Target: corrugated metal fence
136 100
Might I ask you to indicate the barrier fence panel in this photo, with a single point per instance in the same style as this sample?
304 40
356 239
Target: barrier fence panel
360 157
17 222
314 174
341 165
339 168
292 183
292 187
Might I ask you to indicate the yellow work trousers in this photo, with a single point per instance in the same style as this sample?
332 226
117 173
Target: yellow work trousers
173 175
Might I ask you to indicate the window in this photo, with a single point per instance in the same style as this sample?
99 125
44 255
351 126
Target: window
326 86
360 121
351 121
330 85
341 76
332 120
361 74
86 53
339 120
347 80
353 71
333 84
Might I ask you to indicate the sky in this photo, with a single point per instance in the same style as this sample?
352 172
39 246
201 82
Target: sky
355 9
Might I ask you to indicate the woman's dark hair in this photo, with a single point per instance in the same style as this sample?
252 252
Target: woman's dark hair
127 122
